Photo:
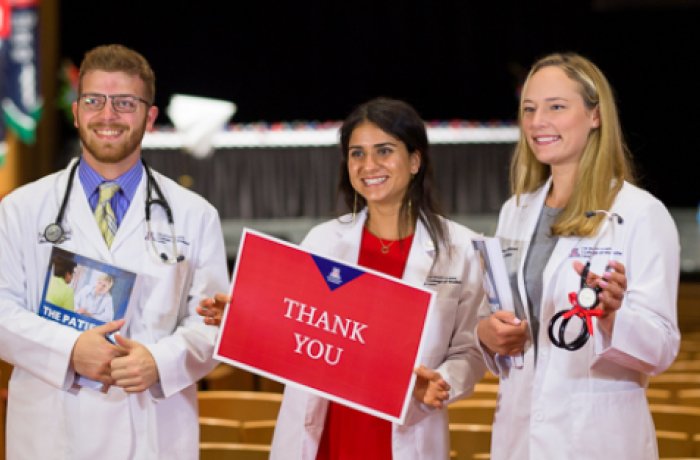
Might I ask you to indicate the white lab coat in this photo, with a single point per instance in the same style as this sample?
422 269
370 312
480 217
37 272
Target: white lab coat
47 418
591 403
449 346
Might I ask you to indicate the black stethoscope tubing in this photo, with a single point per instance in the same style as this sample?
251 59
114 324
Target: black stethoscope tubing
583 334
54 232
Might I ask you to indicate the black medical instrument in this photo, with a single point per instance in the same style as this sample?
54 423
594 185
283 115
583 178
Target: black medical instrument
151 185
54 232
583 302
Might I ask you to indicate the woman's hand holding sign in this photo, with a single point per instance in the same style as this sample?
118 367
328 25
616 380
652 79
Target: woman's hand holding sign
430 389
212 308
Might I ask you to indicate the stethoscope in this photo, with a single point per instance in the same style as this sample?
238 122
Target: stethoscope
583 302
54 232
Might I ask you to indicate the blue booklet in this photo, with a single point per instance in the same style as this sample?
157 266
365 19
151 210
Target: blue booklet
82 293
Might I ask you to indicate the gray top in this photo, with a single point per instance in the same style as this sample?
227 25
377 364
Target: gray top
541 248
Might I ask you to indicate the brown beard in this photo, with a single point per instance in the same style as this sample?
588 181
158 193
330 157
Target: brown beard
111 152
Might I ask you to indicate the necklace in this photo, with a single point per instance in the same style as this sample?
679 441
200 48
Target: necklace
385 247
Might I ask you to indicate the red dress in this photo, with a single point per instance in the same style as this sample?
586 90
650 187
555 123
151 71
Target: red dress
349 434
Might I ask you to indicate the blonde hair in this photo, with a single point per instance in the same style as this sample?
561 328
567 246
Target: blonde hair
108 278
604 164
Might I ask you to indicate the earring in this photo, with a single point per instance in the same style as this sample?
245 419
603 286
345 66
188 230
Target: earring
354 208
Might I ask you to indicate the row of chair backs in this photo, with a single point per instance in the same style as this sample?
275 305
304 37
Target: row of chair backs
233 451
239 405
673 417
470 411
675 381
469 439
213 429
249 417
677 445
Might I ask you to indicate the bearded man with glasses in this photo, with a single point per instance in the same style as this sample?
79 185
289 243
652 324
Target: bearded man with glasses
144 403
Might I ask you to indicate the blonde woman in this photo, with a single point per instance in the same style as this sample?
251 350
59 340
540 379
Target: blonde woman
577 223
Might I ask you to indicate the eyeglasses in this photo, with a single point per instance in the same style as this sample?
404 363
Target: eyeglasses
121 103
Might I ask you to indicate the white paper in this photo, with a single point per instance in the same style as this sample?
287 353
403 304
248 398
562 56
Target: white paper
496 282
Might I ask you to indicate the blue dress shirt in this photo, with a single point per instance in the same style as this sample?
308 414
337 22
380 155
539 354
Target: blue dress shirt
128 183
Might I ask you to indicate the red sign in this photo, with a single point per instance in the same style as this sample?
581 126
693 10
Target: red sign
341 331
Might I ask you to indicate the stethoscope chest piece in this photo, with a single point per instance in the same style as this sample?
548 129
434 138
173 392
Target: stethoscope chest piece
587 297
53 233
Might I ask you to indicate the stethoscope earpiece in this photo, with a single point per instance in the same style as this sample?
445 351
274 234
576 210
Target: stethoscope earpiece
610 215
164 257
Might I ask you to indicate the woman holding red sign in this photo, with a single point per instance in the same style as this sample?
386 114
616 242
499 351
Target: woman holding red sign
394 227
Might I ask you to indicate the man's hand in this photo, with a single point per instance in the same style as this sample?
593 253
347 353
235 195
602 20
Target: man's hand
93 353
136 370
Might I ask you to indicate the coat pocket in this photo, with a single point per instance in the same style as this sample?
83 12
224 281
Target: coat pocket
613 424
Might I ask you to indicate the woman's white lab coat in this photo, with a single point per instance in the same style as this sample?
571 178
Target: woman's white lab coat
591 403
449 347
47 418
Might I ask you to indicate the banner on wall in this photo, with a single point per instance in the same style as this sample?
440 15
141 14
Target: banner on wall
20 100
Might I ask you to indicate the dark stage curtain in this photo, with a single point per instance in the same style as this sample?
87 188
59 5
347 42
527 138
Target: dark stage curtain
292 182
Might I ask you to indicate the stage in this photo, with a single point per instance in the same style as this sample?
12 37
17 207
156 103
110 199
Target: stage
281 178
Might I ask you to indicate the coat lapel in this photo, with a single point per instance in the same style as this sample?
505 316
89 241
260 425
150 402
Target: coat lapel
349 238
420 257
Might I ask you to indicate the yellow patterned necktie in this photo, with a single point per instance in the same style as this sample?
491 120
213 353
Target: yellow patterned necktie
104 214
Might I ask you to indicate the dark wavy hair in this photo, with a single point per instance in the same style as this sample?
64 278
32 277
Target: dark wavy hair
63 267
401 121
